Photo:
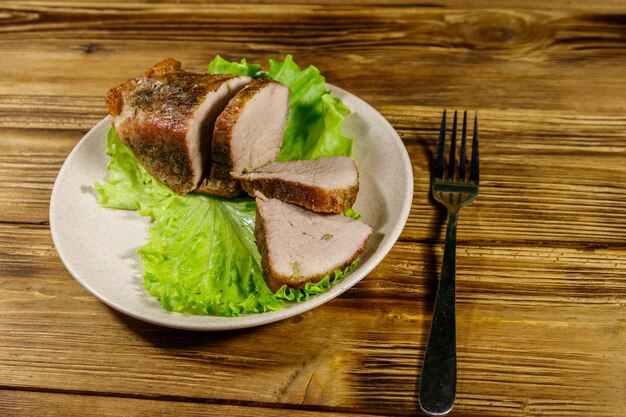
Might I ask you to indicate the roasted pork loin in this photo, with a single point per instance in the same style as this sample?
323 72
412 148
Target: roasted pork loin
248 134
299 246
327 185
166 117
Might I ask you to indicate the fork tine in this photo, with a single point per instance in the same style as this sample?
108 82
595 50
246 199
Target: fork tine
475 164
463 156
439 160
451 163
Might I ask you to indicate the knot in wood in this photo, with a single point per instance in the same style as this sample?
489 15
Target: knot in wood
495 34
90 48
501 30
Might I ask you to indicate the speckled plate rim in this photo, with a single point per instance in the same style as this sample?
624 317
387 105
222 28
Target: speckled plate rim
73 239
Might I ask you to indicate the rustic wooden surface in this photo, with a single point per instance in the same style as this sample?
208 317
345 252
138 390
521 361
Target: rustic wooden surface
542 254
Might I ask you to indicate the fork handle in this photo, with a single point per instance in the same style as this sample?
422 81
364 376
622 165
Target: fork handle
438 377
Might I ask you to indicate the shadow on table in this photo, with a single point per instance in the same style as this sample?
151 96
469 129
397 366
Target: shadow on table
166 337
435 233
434 244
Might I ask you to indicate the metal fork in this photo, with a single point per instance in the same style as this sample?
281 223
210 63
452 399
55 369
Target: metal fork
438 377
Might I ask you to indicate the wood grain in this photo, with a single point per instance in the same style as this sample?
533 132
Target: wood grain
17 403
527 336
542 253
575 5
517 58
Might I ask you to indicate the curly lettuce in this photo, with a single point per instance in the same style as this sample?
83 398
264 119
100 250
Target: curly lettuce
200 257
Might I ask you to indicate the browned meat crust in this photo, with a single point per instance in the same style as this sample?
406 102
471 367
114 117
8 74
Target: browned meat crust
114 98
219 187
310 197
162 101
261 244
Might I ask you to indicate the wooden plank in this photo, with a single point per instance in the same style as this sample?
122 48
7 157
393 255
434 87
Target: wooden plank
551 177
434 56
598 5
15 403
29 163
540 330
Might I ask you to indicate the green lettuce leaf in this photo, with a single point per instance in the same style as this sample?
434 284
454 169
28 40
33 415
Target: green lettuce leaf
189 264
352 213
201 257
315 117
221 66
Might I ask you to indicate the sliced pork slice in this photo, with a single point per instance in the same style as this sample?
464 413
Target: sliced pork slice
249 132
166 117
327 185
299 246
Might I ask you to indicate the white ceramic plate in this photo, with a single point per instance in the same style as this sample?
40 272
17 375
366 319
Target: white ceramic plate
98 246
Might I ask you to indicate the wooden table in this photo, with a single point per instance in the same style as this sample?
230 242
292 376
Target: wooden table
542 254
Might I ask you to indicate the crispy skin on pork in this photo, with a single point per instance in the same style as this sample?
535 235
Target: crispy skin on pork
327 185
166 117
